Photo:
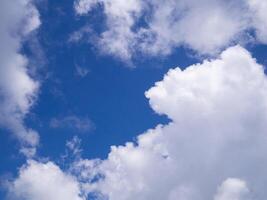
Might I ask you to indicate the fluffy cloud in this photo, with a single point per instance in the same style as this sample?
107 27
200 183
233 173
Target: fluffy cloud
155 28
121 16
218 130
218 110
43 181
18 90
232 189
259 9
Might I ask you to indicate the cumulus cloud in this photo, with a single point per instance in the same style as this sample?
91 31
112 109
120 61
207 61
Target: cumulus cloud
80 124
232 189
218 130
18 90
156 28
218 110
43 181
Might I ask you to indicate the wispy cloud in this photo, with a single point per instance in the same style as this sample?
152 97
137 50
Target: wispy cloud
81 71
80 124
80 34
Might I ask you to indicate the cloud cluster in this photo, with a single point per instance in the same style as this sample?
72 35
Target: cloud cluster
18 90
156 28
215 145
214 148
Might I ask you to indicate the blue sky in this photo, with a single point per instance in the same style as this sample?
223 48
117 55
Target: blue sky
115 98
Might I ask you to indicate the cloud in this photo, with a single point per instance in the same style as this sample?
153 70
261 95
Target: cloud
81 71
258 9
79 34
121 17
73 122
232 189
218 110
44 181
156 28
18 90
83 6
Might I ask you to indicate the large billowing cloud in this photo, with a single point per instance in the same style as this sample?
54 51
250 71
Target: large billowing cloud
18 18
214 148
155 28
218 131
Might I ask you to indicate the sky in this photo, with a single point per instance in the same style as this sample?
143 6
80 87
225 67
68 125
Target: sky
133 100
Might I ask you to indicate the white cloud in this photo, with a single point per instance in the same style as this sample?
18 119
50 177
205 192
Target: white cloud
219 113
218 110
83 6
18 90
156 28
44 181
232 189
121 17
259 12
